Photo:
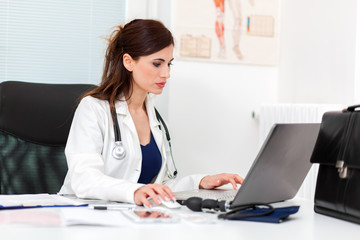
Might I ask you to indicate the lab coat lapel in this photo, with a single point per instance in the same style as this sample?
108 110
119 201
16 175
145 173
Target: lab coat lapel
154 125
159 137
123 111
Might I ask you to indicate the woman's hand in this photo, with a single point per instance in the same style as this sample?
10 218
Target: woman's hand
214 181
142 194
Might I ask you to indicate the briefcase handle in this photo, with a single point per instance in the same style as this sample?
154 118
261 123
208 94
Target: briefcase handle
351 108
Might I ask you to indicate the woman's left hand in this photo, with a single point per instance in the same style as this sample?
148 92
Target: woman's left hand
214 181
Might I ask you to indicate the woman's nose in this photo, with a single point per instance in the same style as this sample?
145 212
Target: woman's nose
165 72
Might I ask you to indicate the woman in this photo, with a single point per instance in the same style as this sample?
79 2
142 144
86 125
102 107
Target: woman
137 63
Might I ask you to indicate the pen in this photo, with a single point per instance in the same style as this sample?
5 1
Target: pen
112 207
66 195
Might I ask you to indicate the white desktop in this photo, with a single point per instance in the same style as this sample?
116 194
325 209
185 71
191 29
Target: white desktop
86 223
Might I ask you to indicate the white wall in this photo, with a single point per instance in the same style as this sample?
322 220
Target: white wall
317 51
210 108
357 57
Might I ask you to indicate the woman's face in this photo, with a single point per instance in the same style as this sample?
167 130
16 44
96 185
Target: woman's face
151 72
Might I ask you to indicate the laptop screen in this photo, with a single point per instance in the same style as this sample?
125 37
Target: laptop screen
280 166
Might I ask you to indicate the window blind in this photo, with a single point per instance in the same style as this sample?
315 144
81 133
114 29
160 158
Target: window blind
56 41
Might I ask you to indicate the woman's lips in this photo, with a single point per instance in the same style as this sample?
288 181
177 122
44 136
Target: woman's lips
161 85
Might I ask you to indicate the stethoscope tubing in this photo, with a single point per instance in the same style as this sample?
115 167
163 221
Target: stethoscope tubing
116 125
120 154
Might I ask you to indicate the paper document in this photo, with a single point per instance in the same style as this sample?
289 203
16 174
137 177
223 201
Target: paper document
36 200
86 216
38 209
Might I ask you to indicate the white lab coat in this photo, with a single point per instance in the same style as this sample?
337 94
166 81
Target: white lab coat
93 172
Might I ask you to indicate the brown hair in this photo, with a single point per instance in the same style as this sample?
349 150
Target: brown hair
140 37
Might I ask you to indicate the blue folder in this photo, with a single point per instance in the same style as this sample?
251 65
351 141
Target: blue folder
37 206
277 216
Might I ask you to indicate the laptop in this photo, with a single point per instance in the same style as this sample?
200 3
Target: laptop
278 170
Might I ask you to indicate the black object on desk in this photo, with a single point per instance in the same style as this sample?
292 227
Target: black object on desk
337 150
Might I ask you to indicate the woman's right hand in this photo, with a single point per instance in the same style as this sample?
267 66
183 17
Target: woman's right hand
142 194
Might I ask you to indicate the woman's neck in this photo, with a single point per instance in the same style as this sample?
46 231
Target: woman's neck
137 101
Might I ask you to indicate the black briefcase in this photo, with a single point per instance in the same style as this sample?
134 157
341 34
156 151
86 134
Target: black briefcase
337 150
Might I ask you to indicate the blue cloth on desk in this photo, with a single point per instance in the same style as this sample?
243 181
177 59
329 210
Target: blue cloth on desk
279 214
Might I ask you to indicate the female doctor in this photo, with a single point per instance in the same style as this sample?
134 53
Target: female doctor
117 147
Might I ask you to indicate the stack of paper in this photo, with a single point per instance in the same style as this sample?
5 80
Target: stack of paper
56 210
35 201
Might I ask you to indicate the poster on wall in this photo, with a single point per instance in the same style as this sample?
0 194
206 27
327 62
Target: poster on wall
229 31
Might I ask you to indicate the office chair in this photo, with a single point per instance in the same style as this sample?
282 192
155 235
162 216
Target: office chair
35 120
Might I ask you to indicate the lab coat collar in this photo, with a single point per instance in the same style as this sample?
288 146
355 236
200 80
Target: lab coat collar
121 106
123 109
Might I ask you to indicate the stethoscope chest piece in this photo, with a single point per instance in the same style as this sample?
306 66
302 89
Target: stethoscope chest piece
119 152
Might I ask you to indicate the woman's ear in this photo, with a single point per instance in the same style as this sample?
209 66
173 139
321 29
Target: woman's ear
128 62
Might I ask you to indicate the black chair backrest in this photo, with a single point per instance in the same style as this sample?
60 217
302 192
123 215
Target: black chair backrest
35 120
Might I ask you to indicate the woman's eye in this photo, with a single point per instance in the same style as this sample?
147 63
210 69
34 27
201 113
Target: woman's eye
156 64
170 64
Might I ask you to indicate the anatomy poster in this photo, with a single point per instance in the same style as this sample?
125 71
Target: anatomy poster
231 31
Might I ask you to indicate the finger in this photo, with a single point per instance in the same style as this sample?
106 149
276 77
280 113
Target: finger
146 202
139 196
233 183
161 192
239 179
146 193
164 192
154 196
169 193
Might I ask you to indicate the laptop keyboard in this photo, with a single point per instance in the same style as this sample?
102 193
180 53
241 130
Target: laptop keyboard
217 194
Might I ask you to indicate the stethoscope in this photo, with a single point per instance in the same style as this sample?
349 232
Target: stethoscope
119 152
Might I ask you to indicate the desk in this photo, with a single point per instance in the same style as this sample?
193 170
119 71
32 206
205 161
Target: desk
304 225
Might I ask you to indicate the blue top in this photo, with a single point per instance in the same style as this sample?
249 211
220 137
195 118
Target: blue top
151 161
